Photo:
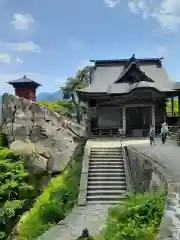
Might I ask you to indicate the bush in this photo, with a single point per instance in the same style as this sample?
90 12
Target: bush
138 218
54 203
3 140
15 190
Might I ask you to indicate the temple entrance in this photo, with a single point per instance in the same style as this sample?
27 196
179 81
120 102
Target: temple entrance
108 121
138 120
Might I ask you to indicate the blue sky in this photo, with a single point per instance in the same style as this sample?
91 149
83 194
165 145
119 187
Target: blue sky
48 40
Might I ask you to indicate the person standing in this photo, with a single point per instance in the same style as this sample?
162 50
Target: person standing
121 132
152 135
164 132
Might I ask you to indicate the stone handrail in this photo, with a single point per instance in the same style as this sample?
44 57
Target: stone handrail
127 170
170 224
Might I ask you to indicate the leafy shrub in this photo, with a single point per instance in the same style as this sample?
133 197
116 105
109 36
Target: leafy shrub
3 140
138 218
54 203
15 190
63 107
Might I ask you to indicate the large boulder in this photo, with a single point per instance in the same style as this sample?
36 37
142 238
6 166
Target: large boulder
48 138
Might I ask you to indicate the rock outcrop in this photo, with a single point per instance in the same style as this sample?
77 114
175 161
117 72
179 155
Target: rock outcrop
47 138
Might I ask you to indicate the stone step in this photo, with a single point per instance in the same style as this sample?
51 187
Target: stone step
106 170
106 152
106 155
106 166
117 164
106 148
105 183
98 192
109 178
105 197
106 174
106 160
103 187
104 202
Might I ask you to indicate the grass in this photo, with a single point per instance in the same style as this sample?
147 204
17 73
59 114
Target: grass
54 203
138 218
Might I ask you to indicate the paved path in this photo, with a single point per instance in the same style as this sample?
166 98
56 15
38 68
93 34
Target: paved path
93 217
166 154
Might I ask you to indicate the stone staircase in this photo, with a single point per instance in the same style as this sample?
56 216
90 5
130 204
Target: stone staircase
106 176
174 132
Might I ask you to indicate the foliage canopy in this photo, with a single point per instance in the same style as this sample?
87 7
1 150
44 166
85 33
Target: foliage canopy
15 190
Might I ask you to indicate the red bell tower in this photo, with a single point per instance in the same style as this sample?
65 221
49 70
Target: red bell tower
25 88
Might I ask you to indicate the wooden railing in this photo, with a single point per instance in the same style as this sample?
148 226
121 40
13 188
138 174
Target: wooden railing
105 132
175 114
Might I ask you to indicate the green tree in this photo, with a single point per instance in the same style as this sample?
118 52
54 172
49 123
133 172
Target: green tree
81 80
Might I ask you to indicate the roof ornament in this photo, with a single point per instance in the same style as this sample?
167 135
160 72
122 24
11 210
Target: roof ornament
159 62
133 58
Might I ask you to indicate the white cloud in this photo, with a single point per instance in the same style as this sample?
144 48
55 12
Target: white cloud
24 47
5 58
168 15
168 22
22 21
170 7
166 12
111 3
19 60
141 7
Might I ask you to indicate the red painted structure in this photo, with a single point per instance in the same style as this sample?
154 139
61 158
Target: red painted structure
25 88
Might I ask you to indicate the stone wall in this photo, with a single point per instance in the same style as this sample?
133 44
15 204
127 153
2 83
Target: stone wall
147 173
47 138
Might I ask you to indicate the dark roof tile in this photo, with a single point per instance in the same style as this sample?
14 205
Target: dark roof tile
23 80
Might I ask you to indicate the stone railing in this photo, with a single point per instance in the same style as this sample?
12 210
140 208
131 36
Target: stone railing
148 174
84 178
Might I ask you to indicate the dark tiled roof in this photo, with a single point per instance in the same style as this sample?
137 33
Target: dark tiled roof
24 80
104 77
125 60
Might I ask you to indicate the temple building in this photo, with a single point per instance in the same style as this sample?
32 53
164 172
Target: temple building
128 93
25 88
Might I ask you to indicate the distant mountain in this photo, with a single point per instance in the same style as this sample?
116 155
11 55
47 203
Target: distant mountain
50 97
44 96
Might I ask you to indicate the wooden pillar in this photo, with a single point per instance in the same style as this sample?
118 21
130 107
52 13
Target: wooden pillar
172 106
88 121
124 120
153 116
